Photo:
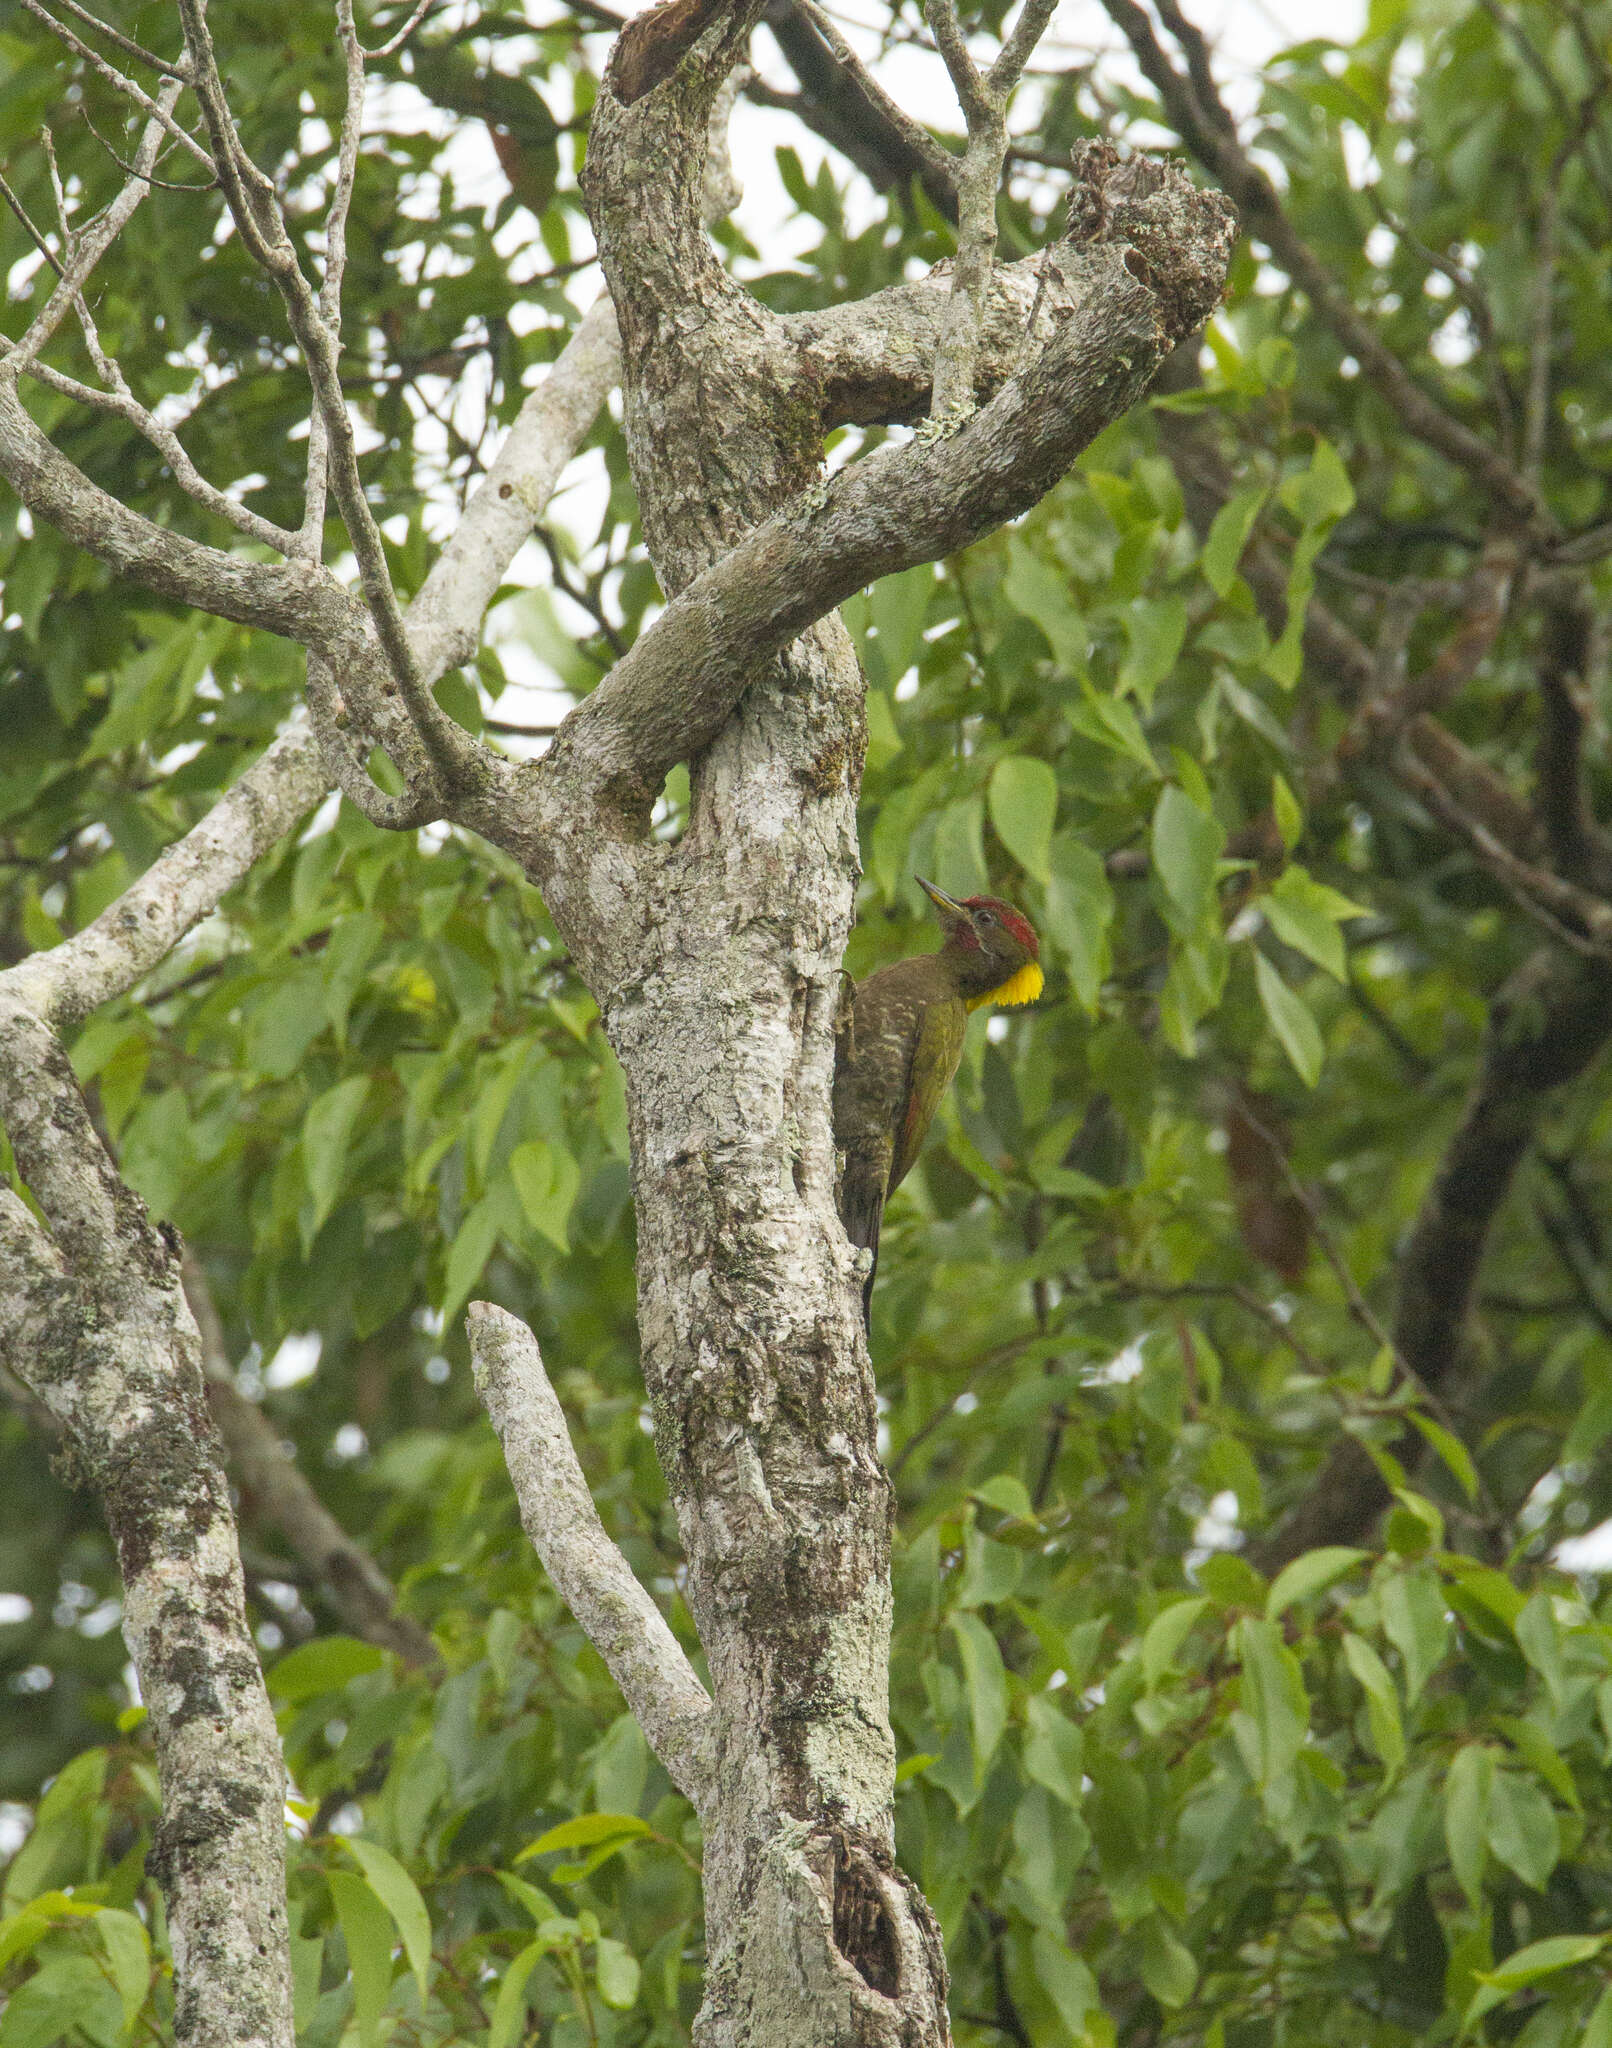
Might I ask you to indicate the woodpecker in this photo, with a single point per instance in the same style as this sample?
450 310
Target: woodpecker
900 1038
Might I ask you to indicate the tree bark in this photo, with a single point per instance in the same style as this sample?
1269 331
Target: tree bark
98 1329
762 1392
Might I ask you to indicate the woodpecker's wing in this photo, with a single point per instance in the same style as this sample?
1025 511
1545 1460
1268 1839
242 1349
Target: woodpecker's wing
936 1051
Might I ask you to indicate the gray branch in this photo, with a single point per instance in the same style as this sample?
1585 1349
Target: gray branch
674 689
594 1579
183 885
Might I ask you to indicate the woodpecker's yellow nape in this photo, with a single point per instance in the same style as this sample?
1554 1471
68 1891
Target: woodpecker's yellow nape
1022 987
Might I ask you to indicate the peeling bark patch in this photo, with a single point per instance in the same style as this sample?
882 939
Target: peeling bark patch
863 1930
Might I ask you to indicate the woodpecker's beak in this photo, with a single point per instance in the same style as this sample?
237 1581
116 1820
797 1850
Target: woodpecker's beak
951 911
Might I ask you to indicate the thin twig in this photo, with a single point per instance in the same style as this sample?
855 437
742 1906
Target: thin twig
32 232
317 486
137 51
91 244
432 744
153 109
395 43
984 103
1568 913
129 170
1208 129
937 161
122 404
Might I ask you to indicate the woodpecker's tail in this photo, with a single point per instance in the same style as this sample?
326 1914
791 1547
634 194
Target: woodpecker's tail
862 1211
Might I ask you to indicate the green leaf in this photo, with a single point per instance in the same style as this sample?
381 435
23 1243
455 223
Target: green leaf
884 735
1042 593
1228 536
1467 1788
1169 1969
1024 803
324 1665
616 1972
1288 812
367 1928
398 1893
1309 1575
509 2014
1054 1750
1540 1642
1322 493
986 1683
1077 913
546 1181
1415 1622
1111 722
128 1952
1186 852
1156 628
1273 1697
1382 1704
471 1249
1543 1959
585 1832
537 1903
1304 914
1007 1493
1066 1980
1165 1634
1291 1020
1535 1749
1284 661
1522 1828
1598 2033
898 606
1451 1450
960 848
326 1136
66 1999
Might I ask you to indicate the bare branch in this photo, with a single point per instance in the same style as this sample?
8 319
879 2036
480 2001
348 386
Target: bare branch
873 359
184 884
1536 409
984 102
159 110
29 229
395 43
1570 914
1016 52
122 404
1577 848
255 207
89 247
809 40
137 51
95 1325
593 1578
352 125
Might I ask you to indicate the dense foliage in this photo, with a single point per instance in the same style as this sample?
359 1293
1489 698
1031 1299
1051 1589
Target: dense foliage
1145 1277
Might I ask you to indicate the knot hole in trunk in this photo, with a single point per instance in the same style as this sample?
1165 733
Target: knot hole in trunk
864 1932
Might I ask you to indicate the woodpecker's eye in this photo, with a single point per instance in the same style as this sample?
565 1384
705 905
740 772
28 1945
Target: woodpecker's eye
985 917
